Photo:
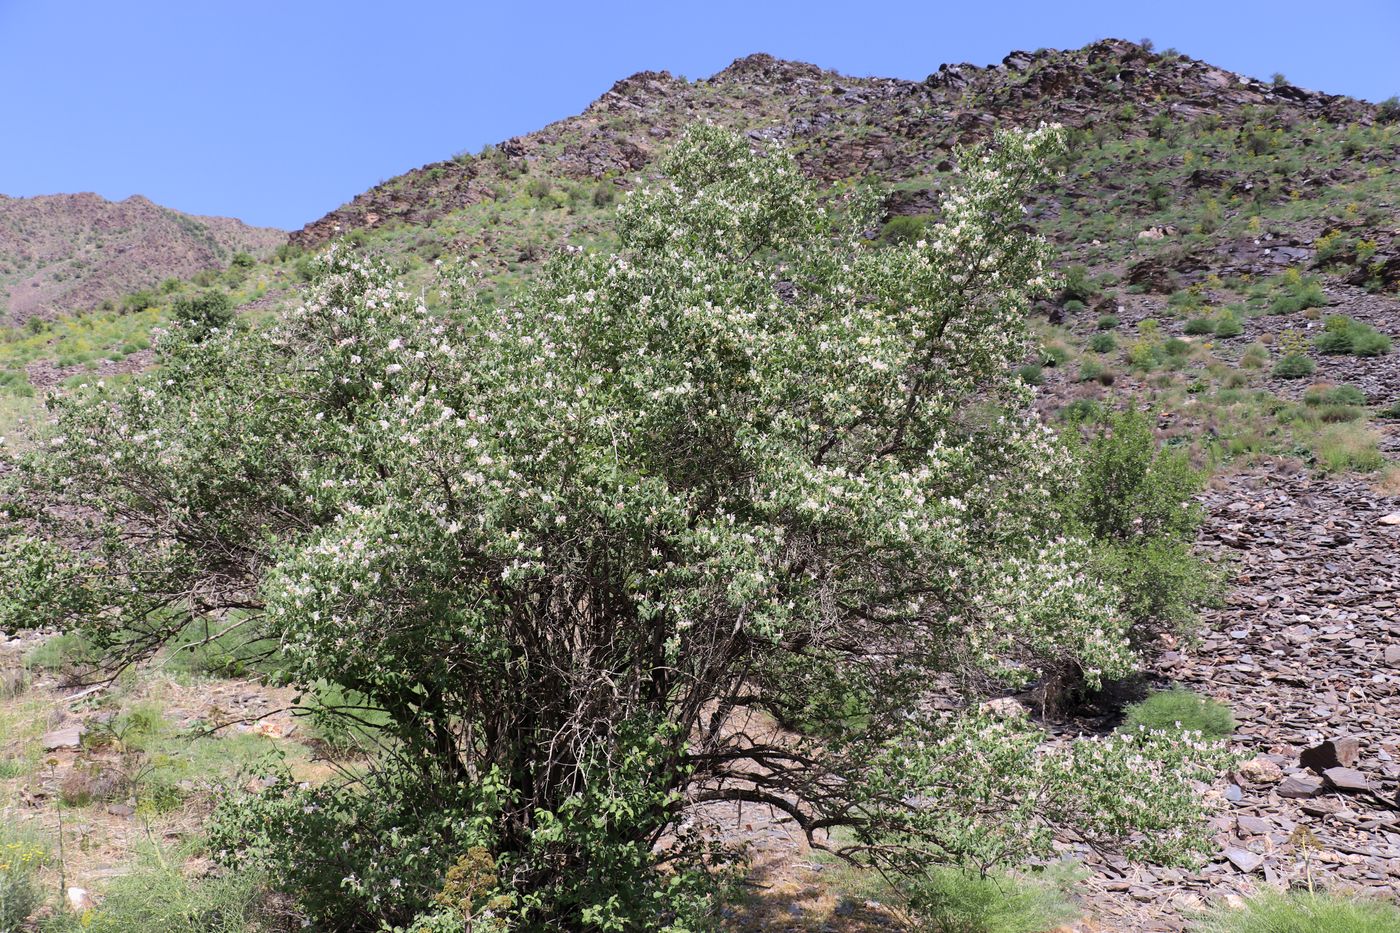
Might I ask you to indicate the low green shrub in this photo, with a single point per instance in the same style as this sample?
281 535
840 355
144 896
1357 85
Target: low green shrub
1304 912
1082 410
1294 366
1334 395
207 310
1107 321
1199 326
1136 503
1342 448
20 860
1227 326
1031 374
1341 335
61 653
1370 342
1177 709
953 900
1091 371
1053 354
1079 286
1103 343
1256 356
159 896
902 229
1391 411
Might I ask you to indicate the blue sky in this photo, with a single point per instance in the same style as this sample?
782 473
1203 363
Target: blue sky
277 112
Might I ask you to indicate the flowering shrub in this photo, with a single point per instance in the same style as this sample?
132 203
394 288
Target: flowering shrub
573 549
19 890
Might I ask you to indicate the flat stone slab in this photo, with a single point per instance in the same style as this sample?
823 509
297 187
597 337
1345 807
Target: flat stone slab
1299 786
1245 860
1347 779
68 737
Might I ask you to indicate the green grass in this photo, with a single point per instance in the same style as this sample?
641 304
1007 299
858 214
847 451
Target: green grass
158 895
950 900
1179 708
1294 366
1342 335
1342 448
21 857
1304 912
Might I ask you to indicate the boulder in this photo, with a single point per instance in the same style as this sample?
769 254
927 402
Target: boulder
1340 752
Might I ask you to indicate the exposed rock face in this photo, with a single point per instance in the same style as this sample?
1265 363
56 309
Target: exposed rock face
69 252
840 126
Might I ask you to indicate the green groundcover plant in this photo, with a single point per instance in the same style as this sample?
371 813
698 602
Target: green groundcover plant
577 553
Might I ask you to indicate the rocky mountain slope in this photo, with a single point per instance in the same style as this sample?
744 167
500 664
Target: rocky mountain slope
69 252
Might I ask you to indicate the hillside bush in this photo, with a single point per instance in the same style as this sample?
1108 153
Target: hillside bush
1136 504
20 861
1341 335
1227 326
902 230
1294 366
1178 709
568 546
1103 343
205 311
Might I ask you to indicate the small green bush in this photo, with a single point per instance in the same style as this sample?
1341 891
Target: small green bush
1177 709
1091 371
64 652
902 229
1078 286
1074 306
1103 343
20 897
1256 356
1082 410
1304 912
1343 448
207 310
1342 334
1175 347
1031 374
1390 411
1107 321
1370 342
1199 326
1334 395
1053 354
1294 366
1227 325
952 900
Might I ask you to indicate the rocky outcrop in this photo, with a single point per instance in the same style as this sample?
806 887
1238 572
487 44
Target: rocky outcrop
842 126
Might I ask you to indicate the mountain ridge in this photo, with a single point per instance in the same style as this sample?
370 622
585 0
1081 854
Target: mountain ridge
68 252
903 126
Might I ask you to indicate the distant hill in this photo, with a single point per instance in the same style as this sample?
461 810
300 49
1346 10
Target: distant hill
68 252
